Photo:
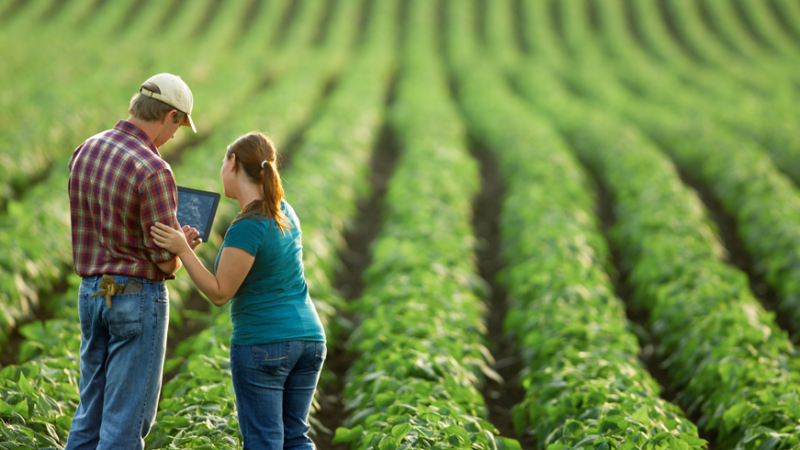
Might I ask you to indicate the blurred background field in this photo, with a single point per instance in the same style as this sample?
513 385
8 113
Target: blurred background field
527 223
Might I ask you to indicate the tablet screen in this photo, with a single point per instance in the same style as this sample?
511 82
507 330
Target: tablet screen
197 209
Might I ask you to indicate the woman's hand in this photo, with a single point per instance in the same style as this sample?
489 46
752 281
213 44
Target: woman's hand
175 241
191 236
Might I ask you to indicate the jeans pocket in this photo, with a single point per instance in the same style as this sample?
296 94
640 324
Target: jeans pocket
161 294
271 358
124 319
320 355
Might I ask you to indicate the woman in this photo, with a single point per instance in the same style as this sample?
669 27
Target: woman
278 344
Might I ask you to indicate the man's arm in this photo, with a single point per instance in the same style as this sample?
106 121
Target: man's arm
171 266
158 194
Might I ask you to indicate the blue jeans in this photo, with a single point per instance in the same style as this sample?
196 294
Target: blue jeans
274 386
122 362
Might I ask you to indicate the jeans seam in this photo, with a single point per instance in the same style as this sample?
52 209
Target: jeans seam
242 426
138 429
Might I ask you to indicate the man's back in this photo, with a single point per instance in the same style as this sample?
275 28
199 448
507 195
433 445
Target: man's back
119 186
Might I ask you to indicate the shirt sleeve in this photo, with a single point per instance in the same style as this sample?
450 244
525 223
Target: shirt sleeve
246 235
158 197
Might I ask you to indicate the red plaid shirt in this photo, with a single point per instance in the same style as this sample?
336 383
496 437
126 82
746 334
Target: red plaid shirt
118 188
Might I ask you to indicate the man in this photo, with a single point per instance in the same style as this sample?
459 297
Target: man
119 187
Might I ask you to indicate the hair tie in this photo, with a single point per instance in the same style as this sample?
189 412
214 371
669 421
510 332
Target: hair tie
262 163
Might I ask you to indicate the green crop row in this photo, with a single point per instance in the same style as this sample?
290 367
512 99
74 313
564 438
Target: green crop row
767 29
704 43
788 13
724 353
584 384
700 393
747 113
750 188
764 203
721 81
415 382
741 30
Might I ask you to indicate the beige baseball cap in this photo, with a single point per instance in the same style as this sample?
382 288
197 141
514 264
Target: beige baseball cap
171 90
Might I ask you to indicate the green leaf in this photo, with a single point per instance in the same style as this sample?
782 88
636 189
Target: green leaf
794 407
735 413
5 409
492 445
64 423
457 430
384 399
504 443
388 443
25 385
677 444
399 431
693 441
21 408
641 416
769 443
346 435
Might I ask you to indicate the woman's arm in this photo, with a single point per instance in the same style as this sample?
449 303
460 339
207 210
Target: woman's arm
234 265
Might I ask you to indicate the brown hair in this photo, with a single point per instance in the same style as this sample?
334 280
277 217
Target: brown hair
256 155
152 110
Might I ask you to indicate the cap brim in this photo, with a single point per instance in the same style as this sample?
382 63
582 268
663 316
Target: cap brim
189 123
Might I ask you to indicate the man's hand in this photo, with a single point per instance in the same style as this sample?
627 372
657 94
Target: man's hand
191 234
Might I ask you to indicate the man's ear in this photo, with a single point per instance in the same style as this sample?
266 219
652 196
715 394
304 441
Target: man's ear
169 116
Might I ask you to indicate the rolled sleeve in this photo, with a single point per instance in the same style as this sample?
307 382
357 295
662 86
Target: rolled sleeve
158 194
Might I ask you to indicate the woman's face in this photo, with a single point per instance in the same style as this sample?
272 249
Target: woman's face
228 177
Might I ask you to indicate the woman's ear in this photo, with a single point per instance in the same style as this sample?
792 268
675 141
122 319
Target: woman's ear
232 160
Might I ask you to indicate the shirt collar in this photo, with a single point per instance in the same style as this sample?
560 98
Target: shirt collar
131 129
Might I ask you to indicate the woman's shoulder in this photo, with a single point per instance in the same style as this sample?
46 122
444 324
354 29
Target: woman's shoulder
245 225
263 223
289 212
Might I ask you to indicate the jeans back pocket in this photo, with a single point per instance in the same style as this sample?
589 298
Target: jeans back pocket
321 352
271 357
124 319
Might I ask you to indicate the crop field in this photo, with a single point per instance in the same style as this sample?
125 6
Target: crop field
549 224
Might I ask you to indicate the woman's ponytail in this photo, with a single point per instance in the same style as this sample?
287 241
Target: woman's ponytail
273 193
256 154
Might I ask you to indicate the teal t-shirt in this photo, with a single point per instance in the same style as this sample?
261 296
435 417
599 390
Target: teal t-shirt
272 304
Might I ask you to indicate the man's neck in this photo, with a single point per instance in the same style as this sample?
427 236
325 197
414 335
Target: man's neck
151 129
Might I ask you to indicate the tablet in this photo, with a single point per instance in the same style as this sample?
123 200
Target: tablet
197 209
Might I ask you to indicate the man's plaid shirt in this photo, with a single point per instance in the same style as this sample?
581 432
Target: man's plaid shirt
118 188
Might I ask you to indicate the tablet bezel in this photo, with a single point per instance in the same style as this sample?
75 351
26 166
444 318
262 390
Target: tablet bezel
213 213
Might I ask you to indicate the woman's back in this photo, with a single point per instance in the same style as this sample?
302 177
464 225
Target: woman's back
272 304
